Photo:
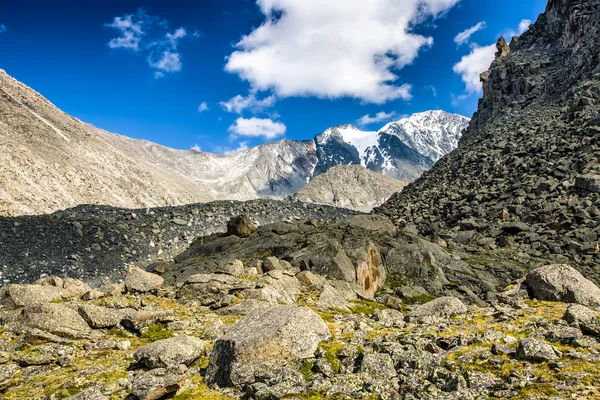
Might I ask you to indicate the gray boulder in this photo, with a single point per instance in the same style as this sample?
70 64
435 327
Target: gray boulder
587 319
389 318
169 353
378 366
16 296
564 283
52 318
89 394
138 280
102 317
265 338
241 226
442 307
535 351
155 384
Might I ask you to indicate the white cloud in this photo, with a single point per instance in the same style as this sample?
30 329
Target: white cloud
457 99
377 118
464 36
203 107
473 64
2 28
524 25
196 148
240 103
146 34
258 127
433 90
227 150
334 48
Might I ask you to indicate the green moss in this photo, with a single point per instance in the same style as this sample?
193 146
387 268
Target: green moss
306 370
331 354
117 332
418 299
156 332
366 307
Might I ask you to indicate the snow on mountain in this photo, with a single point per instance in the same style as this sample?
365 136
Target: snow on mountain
432 133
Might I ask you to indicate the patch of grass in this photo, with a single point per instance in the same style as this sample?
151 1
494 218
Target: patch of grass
366 307
156 332
417 300
306 370
331 354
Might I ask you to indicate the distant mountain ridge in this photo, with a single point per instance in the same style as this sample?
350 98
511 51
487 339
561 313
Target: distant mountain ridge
51 161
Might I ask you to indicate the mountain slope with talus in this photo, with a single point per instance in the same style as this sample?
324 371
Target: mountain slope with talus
525 176
51 161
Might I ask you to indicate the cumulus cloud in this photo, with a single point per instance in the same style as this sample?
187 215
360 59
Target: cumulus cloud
196 148
334 48
258 128
142 33
473 64
464 36
2 28
377 118
524 25
240 103
203 107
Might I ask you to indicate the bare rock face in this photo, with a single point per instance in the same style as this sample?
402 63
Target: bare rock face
370 272
562 283
265 337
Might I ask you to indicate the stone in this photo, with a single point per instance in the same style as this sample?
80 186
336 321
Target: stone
411 292
158 268
271 264
389 318
202 284
102 317
378 366
331 299
75 287
441 307
370 270
535 351
56 319
241 226
17 296
169 353
215 330
310 280
266 337
587 319
500 349
393 302
234 268
559 282
93 294
144 318
140 281
89 394
155 384
589 182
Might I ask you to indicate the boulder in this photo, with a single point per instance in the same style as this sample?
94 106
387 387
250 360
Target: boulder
102 317
234 268
56 319
535 351
587 319
271 264
201 284
332 299
155 384
140 281
378 366
389 318
17 296
559 282
241 226
266 337
442 307
169 353
144 318
589 182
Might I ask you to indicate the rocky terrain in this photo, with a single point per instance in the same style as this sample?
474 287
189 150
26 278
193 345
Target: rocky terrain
96 243
525 175
349 186
339 327
51 161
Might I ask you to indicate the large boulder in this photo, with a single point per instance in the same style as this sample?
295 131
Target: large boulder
587 319
17 296
241 226
442 307
535 351
155 384
138 280
101 317
169 353
564 283
265 338
56 319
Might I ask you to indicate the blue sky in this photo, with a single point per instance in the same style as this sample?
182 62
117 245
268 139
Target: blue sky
170 72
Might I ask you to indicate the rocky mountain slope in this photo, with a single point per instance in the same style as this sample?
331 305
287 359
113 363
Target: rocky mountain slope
51 161
253 325
349 186
525 175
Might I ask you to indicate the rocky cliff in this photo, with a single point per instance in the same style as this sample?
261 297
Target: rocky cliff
525 176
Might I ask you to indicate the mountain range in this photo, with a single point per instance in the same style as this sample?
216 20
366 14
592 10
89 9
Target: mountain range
51 161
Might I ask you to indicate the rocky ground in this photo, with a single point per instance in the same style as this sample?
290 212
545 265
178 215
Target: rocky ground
264 329
526 174
97 243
